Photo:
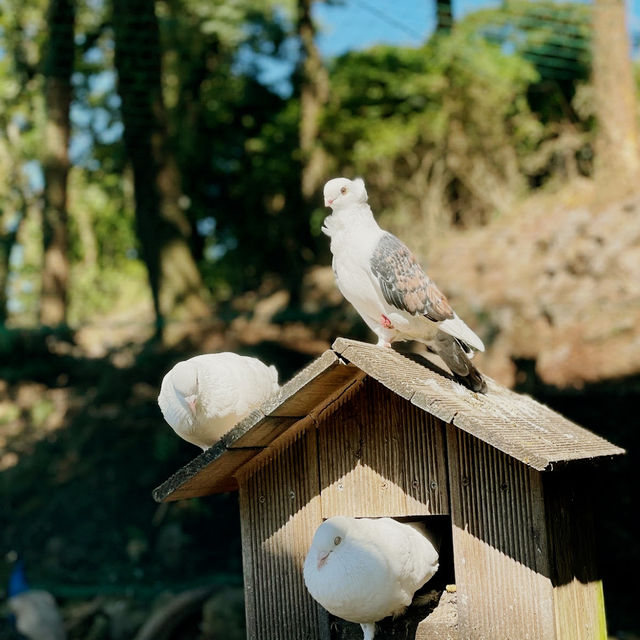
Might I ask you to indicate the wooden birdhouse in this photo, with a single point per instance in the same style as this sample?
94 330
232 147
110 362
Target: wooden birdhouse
366 431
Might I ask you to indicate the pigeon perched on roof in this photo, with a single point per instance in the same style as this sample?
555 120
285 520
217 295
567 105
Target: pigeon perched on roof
365 569
382 279
203 397
36 613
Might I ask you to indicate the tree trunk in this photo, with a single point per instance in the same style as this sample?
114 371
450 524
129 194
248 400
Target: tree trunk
617 156
314 93
58 69
162 226
444 16
7 240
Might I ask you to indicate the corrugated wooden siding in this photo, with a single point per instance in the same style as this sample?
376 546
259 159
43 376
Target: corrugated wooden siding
280 511
578 596
500 544
381 456
370 453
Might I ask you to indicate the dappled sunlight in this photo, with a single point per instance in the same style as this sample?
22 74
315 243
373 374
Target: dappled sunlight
161 196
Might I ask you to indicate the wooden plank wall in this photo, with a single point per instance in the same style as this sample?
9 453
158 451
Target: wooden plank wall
381 456
499 543
523 554
280 511
371 454
577 587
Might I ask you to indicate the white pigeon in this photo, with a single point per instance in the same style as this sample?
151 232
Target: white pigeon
365 569
202 398
382 279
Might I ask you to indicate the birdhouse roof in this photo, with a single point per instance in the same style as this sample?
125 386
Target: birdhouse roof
514 423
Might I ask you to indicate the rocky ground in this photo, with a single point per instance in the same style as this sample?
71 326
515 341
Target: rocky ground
557 283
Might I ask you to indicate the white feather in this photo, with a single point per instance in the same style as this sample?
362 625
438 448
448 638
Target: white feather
458 329
372 572
202 398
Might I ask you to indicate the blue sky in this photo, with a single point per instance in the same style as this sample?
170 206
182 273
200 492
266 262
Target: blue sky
350 25
356 24
359 24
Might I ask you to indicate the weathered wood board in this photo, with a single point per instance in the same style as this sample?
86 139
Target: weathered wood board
381 456
280 511
499 543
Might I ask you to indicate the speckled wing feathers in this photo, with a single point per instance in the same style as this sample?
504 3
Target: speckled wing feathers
403 282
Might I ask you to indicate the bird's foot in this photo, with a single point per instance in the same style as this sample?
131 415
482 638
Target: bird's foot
385 322
368 629
383 343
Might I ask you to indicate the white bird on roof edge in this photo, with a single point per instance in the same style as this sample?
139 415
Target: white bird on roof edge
365 569
203 397
382 279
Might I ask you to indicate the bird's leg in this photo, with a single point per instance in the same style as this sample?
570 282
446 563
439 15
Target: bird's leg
385 336
369 630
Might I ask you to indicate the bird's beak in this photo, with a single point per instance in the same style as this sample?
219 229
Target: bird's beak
322 558
328 201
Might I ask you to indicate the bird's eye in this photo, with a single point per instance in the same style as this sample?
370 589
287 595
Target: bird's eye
337 540
343 190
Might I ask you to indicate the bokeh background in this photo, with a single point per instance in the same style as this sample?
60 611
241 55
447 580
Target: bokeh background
161 168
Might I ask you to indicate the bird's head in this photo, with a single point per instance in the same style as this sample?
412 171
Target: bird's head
342 192
328 539
179 394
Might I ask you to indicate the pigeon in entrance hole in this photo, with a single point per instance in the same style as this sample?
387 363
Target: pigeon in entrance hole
365 569
203 397
382 279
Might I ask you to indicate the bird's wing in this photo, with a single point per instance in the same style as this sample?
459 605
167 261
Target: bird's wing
412 557
393 543
403 282
424 554
407 287
230 383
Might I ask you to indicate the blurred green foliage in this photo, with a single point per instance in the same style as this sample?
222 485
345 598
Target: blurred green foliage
453 132
432 128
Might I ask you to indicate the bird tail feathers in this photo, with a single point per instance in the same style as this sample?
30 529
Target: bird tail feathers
424 599
454 356
458 329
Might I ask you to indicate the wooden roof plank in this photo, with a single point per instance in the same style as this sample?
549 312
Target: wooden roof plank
205 474
291 399
377 361
264 432
513 423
